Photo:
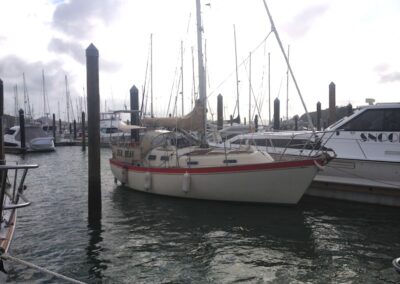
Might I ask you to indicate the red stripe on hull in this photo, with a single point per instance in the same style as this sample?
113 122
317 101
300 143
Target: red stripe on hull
224 169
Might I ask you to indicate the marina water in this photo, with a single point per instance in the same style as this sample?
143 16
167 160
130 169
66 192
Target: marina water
145 238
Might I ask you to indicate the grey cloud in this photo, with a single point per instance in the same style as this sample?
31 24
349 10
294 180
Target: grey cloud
381 67
74 17
303 22
11 70
76 51
390 77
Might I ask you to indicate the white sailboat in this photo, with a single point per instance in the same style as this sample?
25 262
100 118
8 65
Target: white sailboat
173 164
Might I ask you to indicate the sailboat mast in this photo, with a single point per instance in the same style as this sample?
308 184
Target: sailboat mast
183 108
249 88
67 96
237 73
202 77
194 80
289 67
151 76
269 88
287 86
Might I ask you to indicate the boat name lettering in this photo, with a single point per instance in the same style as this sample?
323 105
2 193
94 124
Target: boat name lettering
380 137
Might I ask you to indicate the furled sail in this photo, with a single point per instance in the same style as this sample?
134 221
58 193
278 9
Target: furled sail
193 121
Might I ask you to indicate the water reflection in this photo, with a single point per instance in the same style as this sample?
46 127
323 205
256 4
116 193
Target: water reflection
96 266
207 238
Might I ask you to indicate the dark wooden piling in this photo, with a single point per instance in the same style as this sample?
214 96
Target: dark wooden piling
59 125
54 127
332 103
93 109
22 129
134 96
83 132
75 129
2 155
318 116
220 112
276 114
256 123
296 122
231 119
70 131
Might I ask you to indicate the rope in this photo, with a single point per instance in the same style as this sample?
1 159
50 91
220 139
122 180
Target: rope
41 269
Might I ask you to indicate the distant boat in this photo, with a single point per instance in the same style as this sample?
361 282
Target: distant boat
109 127
36 140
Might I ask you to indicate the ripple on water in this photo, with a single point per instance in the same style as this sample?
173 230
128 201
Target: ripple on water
151 239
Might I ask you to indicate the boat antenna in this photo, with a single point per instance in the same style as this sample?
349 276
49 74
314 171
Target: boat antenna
202 77
273 28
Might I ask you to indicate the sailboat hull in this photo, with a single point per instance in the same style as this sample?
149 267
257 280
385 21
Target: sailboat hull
281 183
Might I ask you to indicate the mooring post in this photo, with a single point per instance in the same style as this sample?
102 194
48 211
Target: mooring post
22 129
276 114
70 131
134 96
83 132
54 127
2 155
59 126
318 116
74 129
231 119
256 123
332 103
296 122
220 114
93 109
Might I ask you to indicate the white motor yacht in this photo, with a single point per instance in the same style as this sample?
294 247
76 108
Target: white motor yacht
367 147
36 140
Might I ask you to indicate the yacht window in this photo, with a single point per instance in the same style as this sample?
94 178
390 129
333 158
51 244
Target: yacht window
391 120
189 163
239 142
10 131
230 161
151 157
375 120
164 158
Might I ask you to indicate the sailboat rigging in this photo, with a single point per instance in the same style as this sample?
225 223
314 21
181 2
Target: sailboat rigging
176 163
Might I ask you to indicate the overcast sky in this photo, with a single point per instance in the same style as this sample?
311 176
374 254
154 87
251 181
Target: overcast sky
354 43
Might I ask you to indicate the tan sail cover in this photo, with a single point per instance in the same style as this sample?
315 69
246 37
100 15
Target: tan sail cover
192 121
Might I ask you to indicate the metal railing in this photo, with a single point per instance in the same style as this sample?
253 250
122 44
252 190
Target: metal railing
14 191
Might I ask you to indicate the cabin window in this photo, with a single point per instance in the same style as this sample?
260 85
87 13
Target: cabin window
191 163
239 142
151 157
10 131
164 158
375 120
230 161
